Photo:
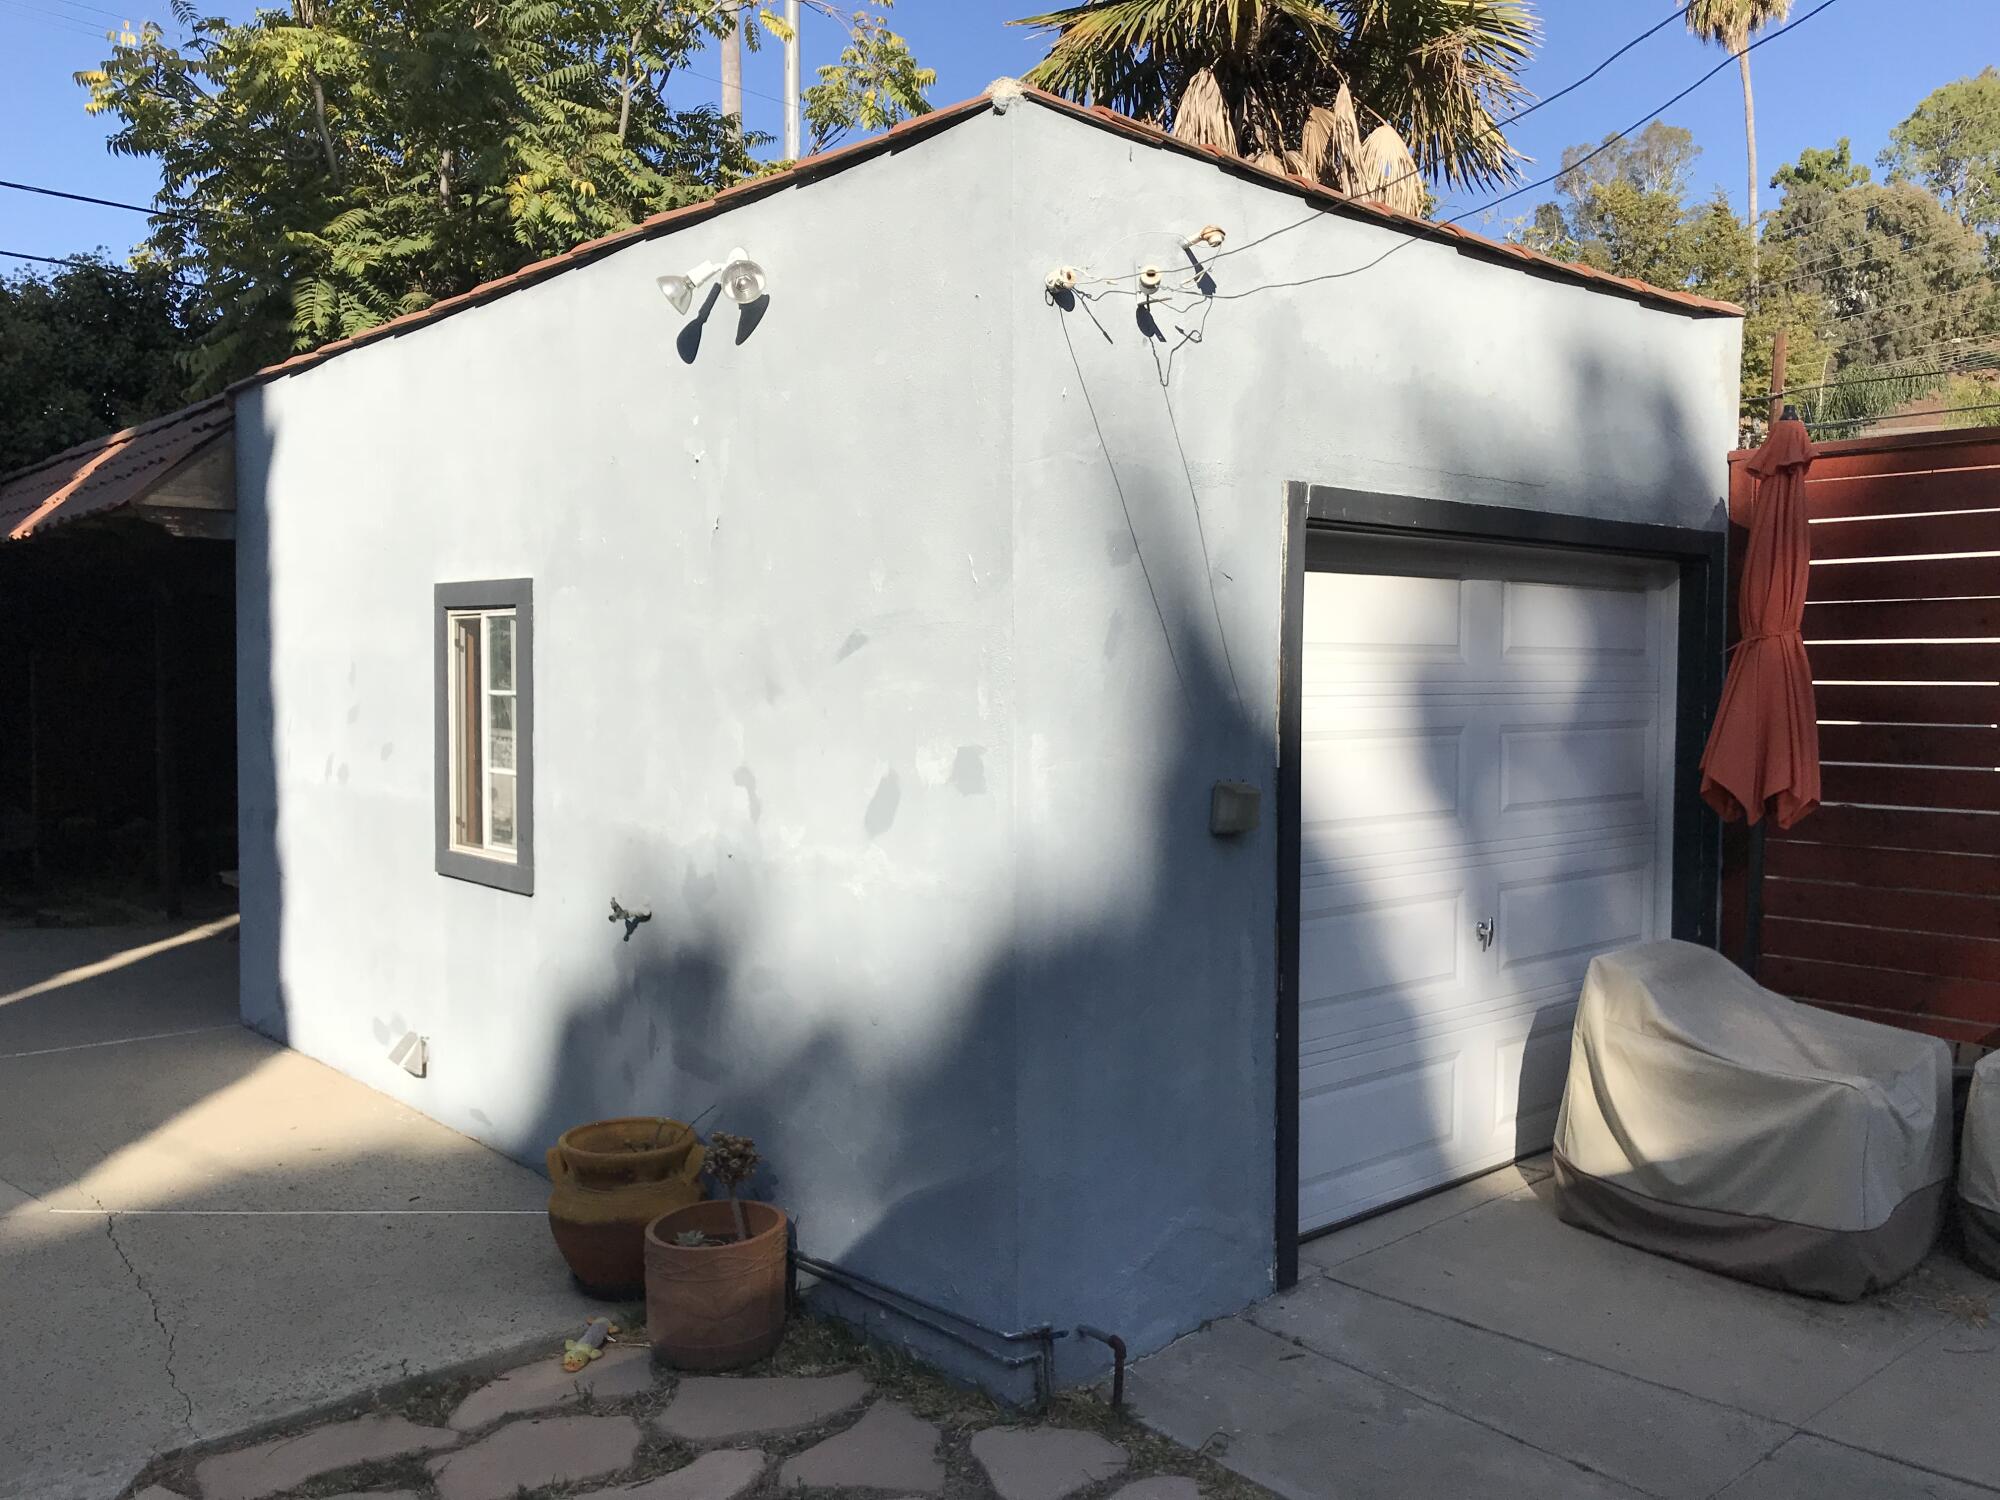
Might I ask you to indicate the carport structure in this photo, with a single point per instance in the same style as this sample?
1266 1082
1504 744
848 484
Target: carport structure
117 690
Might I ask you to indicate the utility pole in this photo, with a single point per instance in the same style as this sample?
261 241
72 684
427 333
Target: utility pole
732 65
792 146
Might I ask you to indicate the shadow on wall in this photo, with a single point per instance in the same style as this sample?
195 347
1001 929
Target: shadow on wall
1091 1138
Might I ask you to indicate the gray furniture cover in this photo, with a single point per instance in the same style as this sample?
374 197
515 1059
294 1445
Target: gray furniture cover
1979 1168
1711 1120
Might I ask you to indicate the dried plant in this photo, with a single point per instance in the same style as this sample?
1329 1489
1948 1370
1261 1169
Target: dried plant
731 1162
1388 175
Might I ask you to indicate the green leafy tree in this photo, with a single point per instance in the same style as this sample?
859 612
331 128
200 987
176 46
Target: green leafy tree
876 83
1893 270
85 350
1951 145
1626 210
328 167
1292 83
1819 170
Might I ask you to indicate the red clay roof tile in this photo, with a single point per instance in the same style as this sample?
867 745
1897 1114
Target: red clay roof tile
107 472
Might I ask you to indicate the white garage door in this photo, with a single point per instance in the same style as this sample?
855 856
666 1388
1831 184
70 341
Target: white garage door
1485 777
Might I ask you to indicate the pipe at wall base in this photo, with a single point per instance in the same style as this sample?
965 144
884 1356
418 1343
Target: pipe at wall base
1116 1345
1043 1359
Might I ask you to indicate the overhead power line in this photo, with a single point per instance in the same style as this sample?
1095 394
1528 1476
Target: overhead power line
49 192
1946 411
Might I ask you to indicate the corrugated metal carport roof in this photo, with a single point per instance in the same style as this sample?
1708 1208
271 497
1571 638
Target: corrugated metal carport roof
107 472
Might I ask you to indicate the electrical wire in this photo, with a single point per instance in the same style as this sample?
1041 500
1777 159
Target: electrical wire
1423 232
1835 385
1494 129
89 265
49 192
1906 416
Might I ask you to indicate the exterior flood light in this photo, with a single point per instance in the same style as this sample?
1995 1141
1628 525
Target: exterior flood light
743 280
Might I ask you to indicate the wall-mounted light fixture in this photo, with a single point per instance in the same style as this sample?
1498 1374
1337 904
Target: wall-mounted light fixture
1211 235
743 281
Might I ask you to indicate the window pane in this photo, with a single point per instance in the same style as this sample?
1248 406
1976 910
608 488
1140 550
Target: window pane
467 776
503 810
501 707
501 673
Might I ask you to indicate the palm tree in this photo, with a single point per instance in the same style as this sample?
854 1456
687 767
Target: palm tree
1731 23
1289 83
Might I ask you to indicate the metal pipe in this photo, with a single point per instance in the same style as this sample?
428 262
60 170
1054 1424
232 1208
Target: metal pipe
1117 1347
1043 1336
792 82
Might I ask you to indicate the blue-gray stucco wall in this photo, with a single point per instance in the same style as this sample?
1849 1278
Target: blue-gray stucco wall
888 650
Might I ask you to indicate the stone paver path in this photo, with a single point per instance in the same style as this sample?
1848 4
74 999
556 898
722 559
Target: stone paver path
1160 1487
525 1454
888 1449
612 1431
1044 1463
251 1473
624 1370
714 1409
721 1475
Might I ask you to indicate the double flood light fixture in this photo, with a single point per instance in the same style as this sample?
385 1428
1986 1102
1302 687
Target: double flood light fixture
743 281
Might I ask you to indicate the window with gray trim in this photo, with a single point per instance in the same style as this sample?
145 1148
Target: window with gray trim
485 744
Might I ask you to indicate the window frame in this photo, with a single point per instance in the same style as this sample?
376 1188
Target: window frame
451 602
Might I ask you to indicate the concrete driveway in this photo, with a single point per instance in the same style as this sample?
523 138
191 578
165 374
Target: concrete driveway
1472 1344
201 1232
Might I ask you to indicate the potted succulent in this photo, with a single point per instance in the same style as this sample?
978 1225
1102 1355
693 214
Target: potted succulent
715 1271
608 1181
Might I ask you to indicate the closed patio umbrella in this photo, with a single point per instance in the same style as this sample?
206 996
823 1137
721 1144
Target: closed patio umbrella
1764 746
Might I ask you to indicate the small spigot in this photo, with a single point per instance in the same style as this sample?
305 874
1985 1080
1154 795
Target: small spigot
631 919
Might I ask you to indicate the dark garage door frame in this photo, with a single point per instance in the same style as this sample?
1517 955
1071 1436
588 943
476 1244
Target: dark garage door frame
1699 557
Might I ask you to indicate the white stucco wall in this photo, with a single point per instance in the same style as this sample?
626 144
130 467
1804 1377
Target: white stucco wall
852 661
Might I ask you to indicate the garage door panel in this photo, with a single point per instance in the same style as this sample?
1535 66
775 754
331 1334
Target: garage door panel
1370 1121
1378 961
1567 919
1367 778
1592 631
1475 749
1591 767
1529 1074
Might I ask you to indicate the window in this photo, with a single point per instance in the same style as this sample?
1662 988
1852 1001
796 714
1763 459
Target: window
485 733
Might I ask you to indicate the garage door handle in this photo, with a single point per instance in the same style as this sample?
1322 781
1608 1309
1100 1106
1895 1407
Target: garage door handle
1484 932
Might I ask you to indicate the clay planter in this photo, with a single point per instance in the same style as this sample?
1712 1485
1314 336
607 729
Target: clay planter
721 1306
610 1180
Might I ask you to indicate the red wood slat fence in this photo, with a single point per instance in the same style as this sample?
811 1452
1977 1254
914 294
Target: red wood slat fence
1886 902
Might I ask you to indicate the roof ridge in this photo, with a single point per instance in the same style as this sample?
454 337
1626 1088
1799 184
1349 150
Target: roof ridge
826 163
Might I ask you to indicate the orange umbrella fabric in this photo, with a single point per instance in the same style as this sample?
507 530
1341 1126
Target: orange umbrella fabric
1765 743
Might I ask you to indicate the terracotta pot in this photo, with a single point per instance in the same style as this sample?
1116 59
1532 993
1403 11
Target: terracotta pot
609 1181
720 1306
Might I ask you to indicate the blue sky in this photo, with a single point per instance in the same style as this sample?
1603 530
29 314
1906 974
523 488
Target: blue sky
1844 73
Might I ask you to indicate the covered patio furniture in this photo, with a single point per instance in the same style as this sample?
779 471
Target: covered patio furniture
1708 1119
1979 1168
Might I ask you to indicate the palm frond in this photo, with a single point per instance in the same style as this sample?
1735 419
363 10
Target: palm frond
1388 173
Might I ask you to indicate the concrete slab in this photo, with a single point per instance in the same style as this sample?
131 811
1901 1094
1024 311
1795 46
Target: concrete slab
255 1189
1657 1440
1811 1468
1512 1267
1306 1427
1356 1240
1938 1407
